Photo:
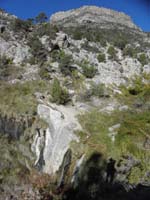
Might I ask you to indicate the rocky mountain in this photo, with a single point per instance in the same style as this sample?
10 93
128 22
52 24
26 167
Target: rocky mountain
94 16
74 107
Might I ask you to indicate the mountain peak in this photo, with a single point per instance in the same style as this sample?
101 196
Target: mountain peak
93 15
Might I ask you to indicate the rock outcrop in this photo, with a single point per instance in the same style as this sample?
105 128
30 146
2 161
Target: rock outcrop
15 50
14 127
61 40
57 140
93 16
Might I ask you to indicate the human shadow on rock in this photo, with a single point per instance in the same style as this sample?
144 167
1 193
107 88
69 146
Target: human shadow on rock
96 181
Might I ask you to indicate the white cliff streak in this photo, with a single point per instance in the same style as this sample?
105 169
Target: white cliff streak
58 136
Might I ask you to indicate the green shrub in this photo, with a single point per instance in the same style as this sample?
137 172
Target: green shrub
44 73
65 63
37 49
46 29
4 61
101 57
130 51
41 18
89 71
99 90
142 58
112 53
8 70
20 25
55 55
96 90
59 95
120 42
77 35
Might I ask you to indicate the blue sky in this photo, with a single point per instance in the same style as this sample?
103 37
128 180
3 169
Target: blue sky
139 10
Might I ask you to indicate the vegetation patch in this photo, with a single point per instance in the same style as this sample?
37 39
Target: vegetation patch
99 90
19 98
129 140
131 51
143 59
86 45
45 72
101 57
89 71
8 70
13 168
112 53
18 25
46 29
132 137
65 63
38 51
137 95
59 94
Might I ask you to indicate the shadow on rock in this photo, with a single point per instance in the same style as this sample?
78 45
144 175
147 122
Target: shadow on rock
96 180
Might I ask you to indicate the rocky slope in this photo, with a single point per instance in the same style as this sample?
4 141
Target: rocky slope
74 92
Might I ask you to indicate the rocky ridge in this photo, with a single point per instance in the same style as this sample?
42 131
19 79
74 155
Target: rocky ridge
93 16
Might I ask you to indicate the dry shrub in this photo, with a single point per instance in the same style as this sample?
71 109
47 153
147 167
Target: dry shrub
40 180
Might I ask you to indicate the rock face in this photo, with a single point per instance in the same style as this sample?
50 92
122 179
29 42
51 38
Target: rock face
94 16
58 136
118 73
10 45
14 50
61 40
13 127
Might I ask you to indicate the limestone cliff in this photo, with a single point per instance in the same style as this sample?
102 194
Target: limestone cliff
93 16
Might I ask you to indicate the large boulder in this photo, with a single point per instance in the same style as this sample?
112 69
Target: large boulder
57 136
18 52
61 40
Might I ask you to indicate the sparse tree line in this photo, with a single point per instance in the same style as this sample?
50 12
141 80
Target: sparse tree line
19 24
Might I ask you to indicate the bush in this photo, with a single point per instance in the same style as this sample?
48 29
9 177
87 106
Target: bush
41 18
112 53
8 70
130 51
46 29
65 61
101 57
37 50
44 73
96 90
99 90
89 71
65 64
4 61
77 35
120 43
18 25
142 58
59 95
